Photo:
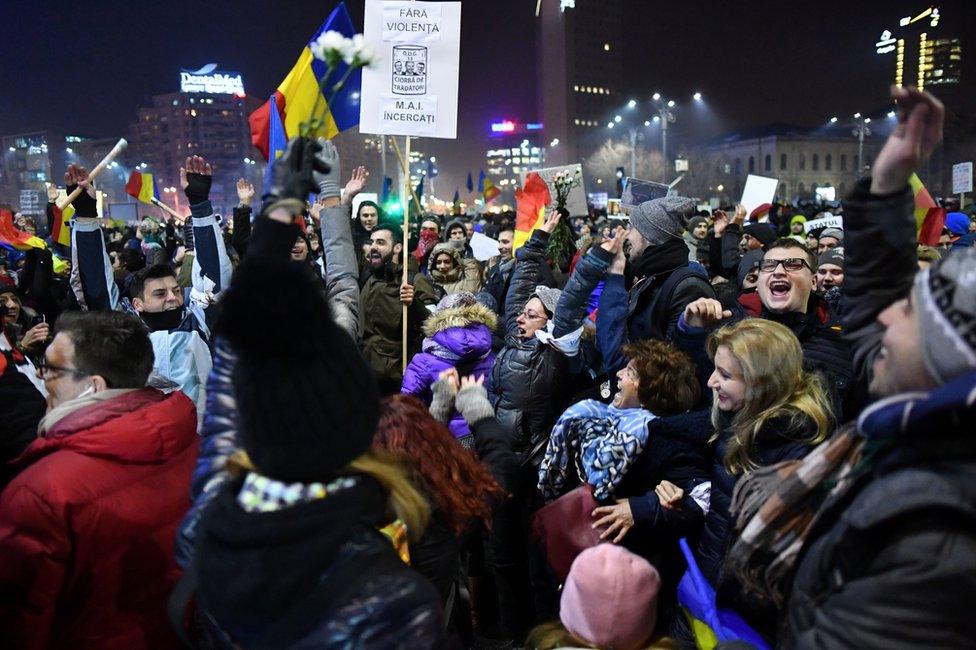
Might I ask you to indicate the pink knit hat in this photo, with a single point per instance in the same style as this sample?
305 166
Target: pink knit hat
610 598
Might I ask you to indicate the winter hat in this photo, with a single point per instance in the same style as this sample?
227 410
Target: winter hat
799 218
833 256
836 233
761 231
610 598
694 222
957 223
660 220
749 261
549 298
308 402
452 300
487 300
946 296
760 211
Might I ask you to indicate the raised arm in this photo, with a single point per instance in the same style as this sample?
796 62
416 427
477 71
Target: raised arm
611 315
528 261
573 304
210 261
91 268
242 217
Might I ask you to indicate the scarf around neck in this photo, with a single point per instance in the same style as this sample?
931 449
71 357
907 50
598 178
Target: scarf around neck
664 257
58 413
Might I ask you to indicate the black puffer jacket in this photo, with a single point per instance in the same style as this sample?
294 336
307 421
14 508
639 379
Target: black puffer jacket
533 382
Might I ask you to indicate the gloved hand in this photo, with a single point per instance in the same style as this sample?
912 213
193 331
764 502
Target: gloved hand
292 175
328 182
195 178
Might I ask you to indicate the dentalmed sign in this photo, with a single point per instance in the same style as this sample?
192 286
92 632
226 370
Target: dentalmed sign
208 80
412 90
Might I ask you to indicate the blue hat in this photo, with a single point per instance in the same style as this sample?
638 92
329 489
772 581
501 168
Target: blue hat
957 223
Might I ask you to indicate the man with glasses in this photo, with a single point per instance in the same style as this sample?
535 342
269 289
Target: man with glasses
88 522
787 279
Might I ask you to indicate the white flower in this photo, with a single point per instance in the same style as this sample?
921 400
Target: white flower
329 47
357 52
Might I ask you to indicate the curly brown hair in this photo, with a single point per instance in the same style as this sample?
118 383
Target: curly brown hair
667 382
456 481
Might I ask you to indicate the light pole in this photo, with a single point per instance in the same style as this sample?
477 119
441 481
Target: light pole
665 116
860 130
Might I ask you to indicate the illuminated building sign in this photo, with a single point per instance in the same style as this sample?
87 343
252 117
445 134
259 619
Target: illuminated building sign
937 60
509 127
208 80
503 127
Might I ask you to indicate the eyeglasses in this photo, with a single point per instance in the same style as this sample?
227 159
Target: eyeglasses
789 264
530 316
44 368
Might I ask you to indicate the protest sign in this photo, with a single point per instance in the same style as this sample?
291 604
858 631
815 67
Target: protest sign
758 190
413 90
962 178
576 202
483 247
363 196
30 202
598 200
636 191
833 221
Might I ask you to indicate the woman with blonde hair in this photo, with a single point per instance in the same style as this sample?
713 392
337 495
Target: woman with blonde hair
765 409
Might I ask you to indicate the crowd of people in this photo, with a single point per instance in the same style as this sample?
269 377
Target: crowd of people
701 428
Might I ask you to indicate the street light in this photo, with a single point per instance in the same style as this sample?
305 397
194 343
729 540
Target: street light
833 120
891 114
665 116
617 119
609 125
656 96
632 103
647 122
554 143
860 131
697 97
671 103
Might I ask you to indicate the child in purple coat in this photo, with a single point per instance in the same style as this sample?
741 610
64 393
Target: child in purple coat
458 335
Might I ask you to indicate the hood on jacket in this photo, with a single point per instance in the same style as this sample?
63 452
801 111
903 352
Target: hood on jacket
142 426
455 253
445 234
461 316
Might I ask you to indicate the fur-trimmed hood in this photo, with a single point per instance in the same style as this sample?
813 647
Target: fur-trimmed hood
461 316
455 273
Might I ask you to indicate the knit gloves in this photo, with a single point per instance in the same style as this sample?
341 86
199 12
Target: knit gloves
443 402
472 402
328 182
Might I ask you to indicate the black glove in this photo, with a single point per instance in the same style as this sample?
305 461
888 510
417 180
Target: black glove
85 205
197 188
292 175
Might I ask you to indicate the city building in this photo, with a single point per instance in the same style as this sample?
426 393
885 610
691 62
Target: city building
207 116
803 160
579 68
89 152
513 148
924 55
30 161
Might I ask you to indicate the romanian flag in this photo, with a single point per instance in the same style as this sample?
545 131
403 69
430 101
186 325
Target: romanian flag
15 237
60 232
531 202
490 191
929 217
301 91
142 187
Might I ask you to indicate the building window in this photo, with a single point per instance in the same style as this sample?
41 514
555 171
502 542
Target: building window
828 162
768 163
738 166
752 164
843 162
782 161
803 161
816 162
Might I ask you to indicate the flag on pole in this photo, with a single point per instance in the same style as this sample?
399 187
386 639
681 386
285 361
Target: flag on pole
277 142
19 239
490 191
929 217
142 187
456 204
297 94
387 186
60 232
431 169
481 181
470 183
531 201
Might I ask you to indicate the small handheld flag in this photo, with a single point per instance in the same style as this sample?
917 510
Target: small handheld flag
142 187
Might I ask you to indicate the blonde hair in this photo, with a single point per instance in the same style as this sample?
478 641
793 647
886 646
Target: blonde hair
406 501
776 386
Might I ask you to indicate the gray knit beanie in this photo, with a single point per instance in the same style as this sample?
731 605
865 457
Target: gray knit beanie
661 220
549 298
946 302
836 233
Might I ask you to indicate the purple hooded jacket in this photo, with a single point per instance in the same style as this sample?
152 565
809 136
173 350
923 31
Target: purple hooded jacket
459 337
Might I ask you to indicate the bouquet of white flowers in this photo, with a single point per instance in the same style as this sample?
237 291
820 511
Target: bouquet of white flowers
333 48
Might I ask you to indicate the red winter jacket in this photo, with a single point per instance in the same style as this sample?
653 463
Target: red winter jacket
87 526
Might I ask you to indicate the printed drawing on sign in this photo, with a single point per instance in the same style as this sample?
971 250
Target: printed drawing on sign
409 70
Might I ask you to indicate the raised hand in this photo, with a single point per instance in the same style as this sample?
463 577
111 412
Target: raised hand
721 222
355 185
705 313
917 134
85 204
245 191
471 381
740 214
615 245
196 176
37 334
552 220
451 377
315 210
52 192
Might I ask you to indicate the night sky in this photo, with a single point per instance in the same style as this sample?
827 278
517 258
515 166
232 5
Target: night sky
84 67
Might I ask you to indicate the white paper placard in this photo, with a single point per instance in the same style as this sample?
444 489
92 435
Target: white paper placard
483 247
576 202
962 178
834 221
413 88
758 190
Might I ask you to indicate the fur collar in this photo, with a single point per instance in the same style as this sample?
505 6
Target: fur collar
463 316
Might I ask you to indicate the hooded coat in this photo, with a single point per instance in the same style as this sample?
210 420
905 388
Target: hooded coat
465 275
87 526
459 337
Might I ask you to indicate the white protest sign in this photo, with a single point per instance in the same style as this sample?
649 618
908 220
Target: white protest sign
576 202
413 89
363 196
833 221
483 247
30 202
758 190
962 178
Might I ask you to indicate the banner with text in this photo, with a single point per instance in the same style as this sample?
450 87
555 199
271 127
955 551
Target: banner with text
413 89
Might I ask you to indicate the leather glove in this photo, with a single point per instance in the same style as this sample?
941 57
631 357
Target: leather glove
292 175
